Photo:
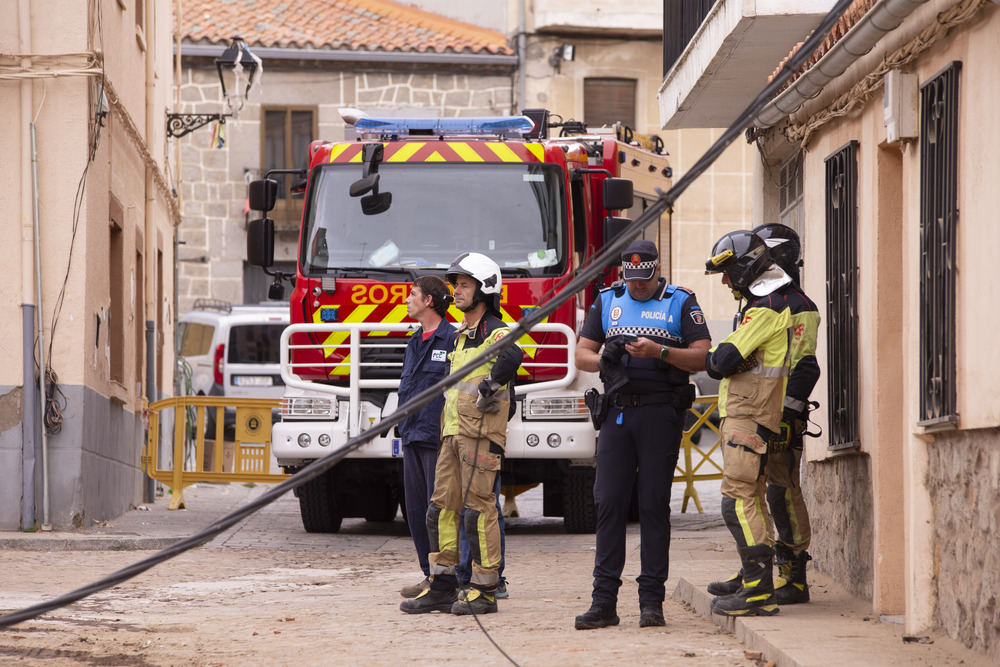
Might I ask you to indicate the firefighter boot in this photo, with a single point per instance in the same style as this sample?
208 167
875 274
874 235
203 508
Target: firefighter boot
727 586
598 616
430 600
756 596
791 586
474 601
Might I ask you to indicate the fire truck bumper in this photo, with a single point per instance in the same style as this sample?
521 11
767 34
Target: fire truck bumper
296 443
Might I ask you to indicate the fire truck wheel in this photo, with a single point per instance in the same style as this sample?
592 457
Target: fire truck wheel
579 512
381 506
317 507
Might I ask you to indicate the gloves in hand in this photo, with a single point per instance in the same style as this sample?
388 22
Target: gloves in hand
613 351
747 364
487 400
788 429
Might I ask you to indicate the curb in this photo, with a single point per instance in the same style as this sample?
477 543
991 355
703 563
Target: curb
115 543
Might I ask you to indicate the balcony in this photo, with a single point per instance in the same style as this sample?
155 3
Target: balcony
640 18
730 56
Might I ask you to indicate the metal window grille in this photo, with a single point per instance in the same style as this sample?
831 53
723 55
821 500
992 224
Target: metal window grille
842 295
791 202
681 20
938 227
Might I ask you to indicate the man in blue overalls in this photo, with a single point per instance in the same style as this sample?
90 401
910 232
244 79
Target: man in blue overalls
654 334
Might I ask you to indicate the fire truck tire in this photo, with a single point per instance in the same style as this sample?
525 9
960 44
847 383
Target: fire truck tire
579 511
381 506
317 507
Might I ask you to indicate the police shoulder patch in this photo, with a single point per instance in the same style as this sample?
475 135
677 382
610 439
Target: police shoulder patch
697 317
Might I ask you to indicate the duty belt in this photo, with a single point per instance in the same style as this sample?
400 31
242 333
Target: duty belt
638 400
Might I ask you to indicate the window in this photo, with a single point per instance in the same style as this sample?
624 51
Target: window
196 338
116 308
791 209
842 296
938 221
287 135
138 309
608 101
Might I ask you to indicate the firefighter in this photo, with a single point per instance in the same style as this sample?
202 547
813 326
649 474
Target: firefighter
426 363
784 492
474 433
752 363
647 392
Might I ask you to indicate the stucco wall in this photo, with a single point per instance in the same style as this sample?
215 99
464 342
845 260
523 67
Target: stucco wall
963 477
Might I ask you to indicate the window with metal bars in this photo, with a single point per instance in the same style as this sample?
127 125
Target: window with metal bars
791 202
938 227
842 295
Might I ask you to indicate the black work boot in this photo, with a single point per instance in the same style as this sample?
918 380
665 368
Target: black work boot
598 616
791 586
430 600
756 596
727 586
475 601
651 615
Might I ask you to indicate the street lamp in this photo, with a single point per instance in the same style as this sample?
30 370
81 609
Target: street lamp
234 62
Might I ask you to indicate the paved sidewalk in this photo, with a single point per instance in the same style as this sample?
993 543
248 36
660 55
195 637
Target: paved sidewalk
833 629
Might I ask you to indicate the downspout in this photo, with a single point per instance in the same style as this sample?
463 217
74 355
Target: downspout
883 18
46 524
177 185
522 76
150 261
30 422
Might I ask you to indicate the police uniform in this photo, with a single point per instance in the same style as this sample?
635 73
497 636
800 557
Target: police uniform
472 444
642 431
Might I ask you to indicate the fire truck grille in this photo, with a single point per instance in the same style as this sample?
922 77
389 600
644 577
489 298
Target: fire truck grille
382 360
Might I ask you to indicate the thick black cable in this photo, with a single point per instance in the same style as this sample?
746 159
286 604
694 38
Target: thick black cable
321 466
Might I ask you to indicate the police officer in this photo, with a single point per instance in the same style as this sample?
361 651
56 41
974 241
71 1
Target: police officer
654 334
474 433
752 363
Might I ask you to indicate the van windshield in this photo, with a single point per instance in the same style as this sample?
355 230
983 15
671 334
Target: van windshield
255 344
515 213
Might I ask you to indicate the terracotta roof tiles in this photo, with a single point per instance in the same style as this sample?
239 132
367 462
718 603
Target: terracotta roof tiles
352 25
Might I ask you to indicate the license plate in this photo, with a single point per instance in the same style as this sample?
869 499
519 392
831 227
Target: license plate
253 380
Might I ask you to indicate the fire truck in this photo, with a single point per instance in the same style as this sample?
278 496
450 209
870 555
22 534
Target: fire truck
405 199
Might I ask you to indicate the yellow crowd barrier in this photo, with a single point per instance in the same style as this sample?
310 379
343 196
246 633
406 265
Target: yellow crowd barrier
246 458
697 464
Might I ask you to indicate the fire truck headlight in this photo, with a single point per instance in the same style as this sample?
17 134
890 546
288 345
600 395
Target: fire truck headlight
554 440
532 440
304 440
324 440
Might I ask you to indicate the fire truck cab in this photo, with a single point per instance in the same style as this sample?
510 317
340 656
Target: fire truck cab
403 200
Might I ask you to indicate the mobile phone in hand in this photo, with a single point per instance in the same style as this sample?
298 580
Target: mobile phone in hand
630 338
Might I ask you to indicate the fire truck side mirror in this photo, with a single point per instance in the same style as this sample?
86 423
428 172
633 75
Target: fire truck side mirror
618 194
260 242
364 186
263 193
376 203
613 227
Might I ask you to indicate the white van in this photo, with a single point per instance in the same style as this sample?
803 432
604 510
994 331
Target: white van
231 351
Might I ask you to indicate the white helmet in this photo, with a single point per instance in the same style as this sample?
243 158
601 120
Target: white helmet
484 271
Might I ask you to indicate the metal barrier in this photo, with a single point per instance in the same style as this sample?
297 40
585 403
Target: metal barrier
688 472
246 458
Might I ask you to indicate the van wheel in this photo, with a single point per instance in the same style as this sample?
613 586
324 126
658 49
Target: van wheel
381 506
579 511
316 505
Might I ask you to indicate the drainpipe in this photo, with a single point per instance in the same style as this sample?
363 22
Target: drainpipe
180 203
521 59
46 524
149 264
30 422
883 18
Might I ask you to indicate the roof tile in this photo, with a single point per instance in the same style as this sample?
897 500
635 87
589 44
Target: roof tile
372 25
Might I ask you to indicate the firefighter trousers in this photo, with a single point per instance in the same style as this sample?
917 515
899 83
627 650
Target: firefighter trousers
744 488
785 500
461 466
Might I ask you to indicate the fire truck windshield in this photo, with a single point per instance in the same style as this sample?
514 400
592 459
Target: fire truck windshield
515 213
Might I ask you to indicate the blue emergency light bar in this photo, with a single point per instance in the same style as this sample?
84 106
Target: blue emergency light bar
402 127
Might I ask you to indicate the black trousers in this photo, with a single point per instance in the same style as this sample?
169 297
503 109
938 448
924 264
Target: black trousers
646 438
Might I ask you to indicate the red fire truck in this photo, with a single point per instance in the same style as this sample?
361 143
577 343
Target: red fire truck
403 200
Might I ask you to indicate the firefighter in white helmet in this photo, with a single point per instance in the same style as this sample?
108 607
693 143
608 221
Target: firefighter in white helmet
474 433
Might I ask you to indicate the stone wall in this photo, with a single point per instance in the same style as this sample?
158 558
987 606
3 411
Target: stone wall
964 484
838 493
213 181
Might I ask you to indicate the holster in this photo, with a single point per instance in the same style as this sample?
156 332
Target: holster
684 397
598 404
